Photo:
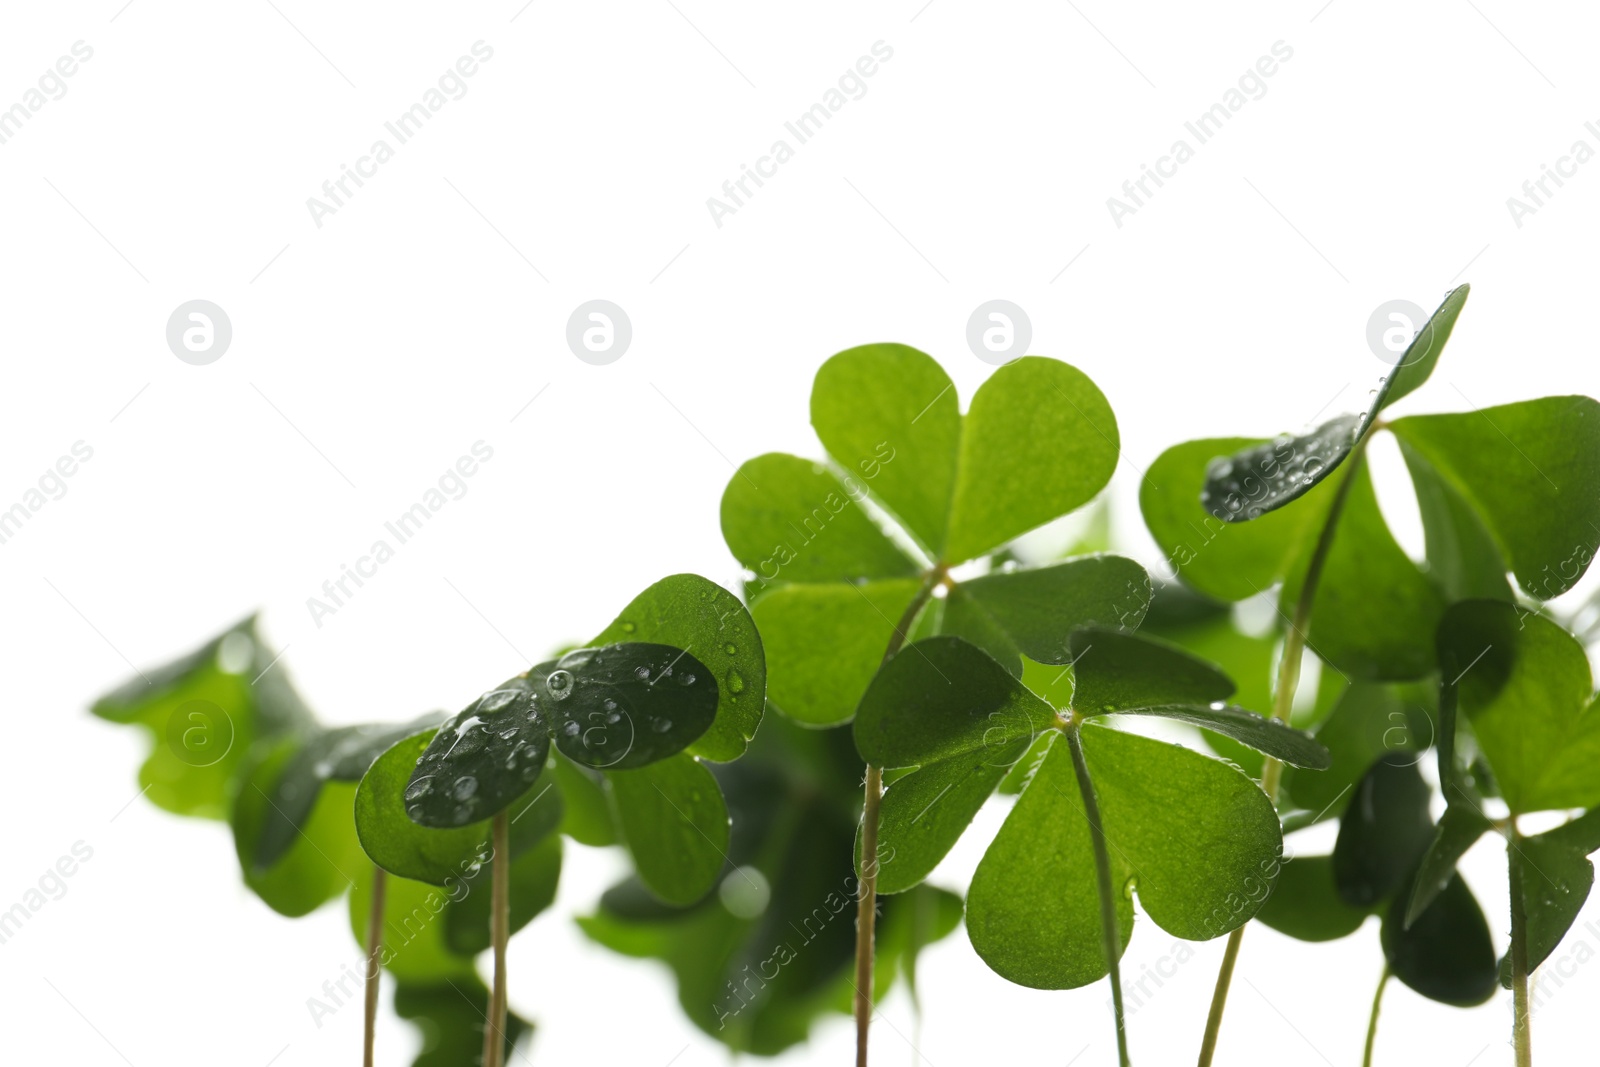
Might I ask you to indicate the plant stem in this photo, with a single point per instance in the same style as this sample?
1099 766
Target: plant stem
1110 941
1372 1023
1294 646
867 890
494 1042
1521 1035
380 879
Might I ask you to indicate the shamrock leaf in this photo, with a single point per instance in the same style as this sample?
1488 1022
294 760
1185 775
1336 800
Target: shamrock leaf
204 716
1184 829
1555 875
832 587
292 822
1525 687
622 706
1513 488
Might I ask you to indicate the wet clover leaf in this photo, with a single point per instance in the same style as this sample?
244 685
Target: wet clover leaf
842 555
618 707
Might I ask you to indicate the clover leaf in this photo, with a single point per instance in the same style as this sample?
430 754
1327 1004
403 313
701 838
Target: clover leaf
843 555
1185 831
1509 488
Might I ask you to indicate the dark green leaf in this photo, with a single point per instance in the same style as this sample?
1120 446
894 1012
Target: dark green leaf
1260 479
1264 735
318 862
1116 671
1525 685
824 642
888 415
1368 720
1038 441
1304 904
1531 473
692 613
1458 830
403 847
624 706
483 757
450 1016
1385 831
587 819
1037 608
789 519
1447 954
672 817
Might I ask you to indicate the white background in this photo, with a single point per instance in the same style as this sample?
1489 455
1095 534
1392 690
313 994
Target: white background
370 353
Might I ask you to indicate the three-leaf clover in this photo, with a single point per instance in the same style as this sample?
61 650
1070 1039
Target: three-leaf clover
844 556
1511 488
1194 836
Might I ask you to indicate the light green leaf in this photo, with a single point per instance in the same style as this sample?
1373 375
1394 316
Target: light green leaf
695 614
1375 610
1461 554
1039 440
1531 473
791 520
1525 685
1230 561
533 877
1033 911
1200 839
888 415
824 642
1368 720
318 862
672 817
1422 354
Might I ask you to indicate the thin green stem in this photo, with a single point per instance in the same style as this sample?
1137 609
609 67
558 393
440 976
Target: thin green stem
867 890
1288 682
380 879
494 1041
1372 1021
1521 1032
1110 942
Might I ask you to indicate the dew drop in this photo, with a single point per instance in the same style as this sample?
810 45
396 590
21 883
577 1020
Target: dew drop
465 786
731 649
628 627
462 815
560 684
643 673
1129 886
414 811
735 681
661 726
494 701
508 733
686 680
611 705
571 728
530 771
419 788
